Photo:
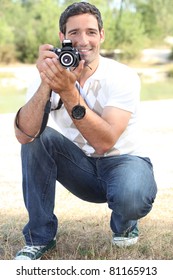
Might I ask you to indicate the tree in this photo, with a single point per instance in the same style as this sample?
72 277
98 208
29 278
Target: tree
156 15
39 26
7 46
131 26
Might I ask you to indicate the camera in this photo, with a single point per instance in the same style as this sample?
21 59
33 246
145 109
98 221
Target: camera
68 56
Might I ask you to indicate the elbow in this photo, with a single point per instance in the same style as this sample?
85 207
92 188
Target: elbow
104 147
21 138
24 141
101 150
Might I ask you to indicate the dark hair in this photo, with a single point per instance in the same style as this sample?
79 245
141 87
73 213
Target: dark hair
78 9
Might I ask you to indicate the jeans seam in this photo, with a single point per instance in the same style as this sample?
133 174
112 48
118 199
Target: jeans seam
62 154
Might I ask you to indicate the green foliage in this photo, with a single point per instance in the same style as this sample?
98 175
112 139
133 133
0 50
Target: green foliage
156 17
7 42
36 23
26 24
7 46
171 55
130 34
39 28
170 73
148 17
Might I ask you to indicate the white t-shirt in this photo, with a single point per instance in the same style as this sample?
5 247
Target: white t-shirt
112 84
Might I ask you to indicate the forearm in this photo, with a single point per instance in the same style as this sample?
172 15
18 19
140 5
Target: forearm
96 131
94 128
30 117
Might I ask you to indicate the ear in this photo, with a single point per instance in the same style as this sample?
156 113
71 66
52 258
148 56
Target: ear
102 35
61 36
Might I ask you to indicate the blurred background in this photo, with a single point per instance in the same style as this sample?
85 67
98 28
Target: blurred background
138 33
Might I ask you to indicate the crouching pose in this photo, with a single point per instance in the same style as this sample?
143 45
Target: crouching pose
95 152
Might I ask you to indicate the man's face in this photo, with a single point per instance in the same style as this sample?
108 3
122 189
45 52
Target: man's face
84 33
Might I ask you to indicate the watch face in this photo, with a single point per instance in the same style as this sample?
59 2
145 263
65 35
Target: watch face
78 112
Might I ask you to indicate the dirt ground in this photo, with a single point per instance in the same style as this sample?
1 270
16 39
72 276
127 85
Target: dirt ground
157 137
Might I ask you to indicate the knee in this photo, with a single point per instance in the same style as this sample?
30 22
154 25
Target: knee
37 146
51 135
131 205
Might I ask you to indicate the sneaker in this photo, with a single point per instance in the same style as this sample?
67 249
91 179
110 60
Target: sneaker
34 252
126 240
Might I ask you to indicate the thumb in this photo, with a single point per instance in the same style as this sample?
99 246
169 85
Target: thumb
80 67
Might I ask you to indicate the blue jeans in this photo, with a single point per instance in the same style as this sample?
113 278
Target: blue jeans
126 183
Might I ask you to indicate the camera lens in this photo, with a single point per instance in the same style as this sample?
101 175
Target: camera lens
66 59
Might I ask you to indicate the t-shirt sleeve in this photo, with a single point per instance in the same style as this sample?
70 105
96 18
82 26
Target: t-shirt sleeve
32 88
124 92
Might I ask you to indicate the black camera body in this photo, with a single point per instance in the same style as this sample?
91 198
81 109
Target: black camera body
67 55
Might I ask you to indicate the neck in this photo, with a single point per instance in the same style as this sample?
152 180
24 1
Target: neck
88 71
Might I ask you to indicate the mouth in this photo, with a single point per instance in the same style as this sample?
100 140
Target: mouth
83 51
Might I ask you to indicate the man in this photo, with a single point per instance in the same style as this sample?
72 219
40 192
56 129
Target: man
97 155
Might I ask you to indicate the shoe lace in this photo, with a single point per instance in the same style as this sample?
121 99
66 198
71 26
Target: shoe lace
31 249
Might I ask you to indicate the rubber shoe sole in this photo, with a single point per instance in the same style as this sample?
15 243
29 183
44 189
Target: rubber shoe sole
124 241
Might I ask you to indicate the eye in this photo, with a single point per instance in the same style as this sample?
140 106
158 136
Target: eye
73 32
92 32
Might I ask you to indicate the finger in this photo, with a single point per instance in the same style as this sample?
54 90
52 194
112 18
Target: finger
77 71
48 65
45 78
46 51
45 47
51 67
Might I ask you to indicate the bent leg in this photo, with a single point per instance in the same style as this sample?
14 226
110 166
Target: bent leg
39 178
47 159
130 192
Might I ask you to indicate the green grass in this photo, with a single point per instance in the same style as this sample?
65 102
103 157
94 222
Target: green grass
157 91
6 75
11 98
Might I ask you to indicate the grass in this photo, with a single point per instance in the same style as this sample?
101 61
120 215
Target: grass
13 98
84 232
157 91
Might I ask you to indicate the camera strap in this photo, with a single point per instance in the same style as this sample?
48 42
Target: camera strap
47 110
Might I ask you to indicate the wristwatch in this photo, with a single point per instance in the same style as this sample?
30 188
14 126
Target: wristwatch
78 112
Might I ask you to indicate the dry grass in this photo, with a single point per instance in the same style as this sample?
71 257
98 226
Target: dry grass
84 231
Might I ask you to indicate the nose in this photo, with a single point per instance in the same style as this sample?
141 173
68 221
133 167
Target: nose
83 39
